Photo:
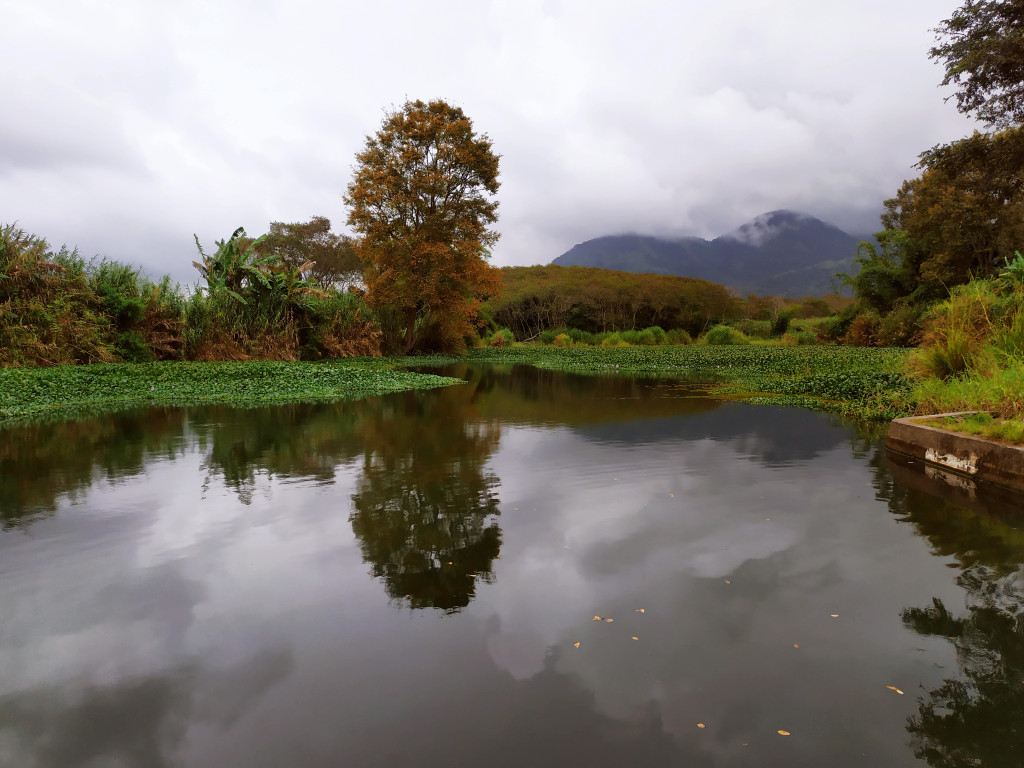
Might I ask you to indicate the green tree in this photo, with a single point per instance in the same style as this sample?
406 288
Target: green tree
333 258
961 219
421 200
982 47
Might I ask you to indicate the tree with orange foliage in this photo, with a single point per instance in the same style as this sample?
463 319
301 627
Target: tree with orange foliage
421 200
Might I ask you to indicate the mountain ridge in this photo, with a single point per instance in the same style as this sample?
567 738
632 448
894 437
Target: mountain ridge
783 253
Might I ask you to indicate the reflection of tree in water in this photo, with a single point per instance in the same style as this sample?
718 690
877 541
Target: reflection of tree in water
300 441
424 503
976 718
40 463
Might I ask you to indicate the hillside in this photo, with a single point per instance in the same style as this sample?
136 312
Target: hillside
781 253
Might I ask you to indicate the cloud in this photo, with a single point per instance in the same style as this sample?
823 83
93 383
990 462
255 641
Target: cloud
129 127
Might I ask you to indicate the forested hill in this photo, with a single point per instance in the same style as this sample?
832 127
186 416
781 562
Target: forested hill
781 253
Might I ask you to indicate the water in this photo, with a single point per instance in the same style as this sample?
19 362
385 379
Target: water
403 580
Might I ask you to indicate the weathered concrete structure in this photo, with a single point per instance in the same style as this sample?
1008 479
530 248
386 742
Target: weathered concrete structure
975 457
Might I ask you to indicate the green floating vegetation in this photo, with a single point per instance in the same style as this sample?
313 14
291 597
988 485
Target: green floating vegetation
859 382
66 391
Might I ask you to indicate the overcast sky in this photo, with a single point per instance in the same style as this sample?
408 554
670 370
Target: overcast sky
127 126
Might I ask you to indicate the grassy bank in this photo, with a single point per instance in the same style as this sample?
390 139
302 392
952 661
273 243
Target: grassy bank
67 391
864 383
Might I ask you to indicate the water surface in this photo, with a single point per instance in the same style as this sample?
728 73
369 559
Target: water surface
403 581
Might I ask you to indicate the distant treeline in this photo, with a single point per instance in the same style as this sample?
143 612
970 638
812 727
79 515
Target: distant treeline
537 299
295 294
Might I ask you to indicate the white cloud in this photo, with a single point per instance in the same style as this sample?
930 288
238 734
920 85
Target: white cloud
130 126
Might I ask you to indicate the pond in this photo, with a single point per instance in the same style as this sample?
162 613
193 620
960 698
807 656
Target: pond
529 569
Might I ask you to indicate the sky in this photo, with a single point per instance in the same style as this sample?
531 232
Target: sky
129 127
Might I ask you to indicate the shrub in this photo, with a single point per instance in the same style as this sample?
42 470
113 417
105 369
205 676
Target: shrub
677 336
781 324
900 328
614 340
548 336
503 337
646 338
863 331
724 335
580 337
757 329
563 340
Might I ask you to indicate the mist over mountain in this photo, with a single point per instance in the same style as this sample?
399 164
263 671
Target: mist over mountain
782 253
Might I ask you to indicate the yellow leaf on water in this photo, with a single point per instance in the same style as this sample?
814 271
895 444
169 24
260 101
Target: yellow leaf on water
834 615
728 581
577 644
635 637
638 610
701 725
894 688
597 618
672 495
768 519
609 620
796 645
784 733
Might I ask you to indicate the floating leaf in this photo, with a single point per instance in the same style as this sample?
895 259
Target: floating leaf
671 495
768 519
609 620
728 581
577 644
796 645
701 725
597 618
894 688
635 637
834 615
784 733
638 610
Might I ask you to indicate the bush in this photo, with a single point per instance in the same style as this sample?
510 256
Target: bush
781 324
900 328
863 331
724 335
799 338
548 336
757 329
646 338
563 340
614 340
580 337
503 337
677 336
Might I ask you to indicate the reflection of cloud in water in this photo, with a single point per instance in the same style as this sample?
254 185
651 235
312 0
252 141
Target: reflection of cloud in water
770 435
609 538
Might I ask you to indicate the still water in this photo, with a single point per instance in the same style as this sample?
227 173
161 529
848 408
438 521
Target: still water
416 579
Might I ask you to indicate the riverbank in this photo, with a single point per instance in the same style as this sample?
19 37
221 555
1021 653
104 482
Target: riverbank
859 383
856 382
74 390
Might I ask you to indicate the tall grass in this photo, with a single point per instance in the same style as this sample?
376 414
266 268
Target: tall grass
56 309
972 356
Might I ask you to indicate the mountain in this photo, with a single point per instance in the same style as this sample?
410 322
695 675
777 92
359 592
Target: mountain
782 253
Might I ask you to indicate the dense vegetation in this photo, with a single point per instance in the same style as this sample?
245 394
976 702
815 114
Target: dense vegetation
862 383
56 308
76 390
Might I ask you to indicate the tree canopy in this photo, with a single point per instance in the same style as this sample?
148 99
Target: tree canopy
333 257
982 47
421 200
960 219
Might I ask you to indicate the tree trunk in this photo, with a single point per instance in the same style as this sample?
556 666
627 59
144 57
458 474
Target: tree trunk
410 330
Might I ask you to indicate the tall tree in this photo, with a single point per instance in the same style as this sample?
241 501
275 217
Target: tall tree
333 257
421 199
982 47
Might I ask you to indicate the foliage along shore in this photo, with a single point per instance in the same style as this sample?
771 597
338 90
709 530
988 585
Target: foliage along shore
34 394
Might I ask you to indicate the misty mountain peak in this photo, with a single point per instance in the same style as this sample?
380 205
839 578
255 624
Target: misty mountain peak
768 226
